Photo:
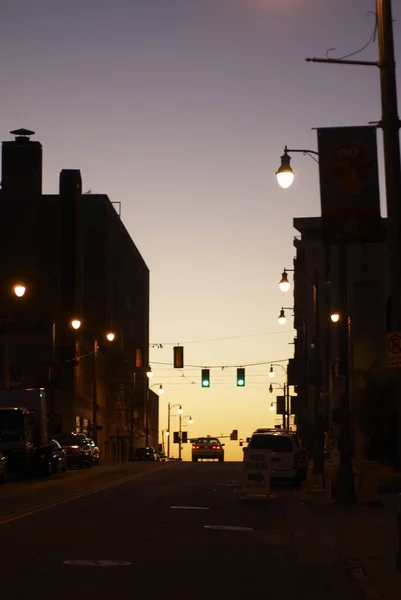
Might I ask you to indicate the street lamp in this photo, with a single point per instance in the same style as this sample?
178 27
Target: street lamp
271 407
285 174
282 319
335 317
19 290
110 336
286 389
284 284
170 407
75 324
271 372
190 421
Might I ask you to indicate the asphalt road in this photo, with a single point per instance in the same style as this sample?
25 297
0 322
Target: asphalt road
172 553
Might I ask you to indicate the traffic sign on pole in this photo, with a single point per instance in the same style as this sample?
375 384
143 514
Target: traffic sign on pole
394 349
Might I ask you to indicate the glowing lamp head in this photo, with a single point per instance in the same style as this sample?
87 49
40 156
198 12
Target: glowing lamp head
284 284
160 391
19 290
190 421
335 317
180 410
282 319
149 373
110 336
75 324
271 372
271 407
285 174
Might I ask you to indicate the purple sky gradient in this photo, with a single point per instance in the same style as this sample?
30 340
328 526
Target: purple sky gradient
180 110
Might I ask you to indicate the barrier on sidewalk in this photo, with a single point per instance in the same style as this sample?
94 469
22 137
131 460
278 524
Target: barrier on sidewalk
366 482
331 480
256 472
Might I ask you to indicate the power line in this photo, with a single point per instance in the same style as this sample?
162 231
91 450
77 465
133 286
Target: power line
222 367
235 337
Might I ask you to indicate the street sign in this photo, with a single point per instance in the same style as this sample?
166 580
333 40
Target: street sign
256 472
394 349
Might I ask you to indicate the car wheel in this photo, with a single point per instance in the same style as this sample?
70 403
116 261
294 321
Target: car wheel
4 477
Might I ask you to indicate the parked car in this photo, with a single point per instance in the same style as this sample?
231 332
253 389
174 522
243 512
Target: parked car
95 453
59 458
145 454
3 469
207 447
77 448
289 459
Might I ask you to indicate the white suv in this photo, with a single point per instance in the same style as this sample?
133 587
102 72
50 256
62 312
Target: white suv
289 459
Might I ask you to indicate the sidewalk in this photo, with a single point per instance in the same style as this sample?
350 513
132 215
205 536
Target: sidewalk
366 539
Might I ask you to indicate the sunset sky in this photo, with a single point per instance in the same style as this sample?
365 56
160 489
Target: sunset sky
180 110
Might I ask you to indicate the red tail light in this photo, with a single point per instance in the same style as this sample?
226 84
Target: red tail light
216 447
195 447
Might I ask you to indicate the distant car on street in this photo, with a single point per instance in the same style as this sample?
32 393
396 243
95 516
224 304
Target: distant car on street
145 454
207 447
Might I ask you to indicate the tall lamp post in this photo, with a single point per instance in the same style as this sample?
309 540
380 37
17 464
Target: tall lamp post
283 387
170 407
286 388
190 421
19 290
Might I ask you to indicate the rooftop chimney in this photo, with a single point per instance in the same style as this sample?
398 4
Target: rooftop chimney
22 165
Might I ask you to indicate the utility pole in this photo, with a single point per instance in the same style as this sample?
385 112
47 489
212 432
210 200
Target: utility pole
179 435
131 419
147 415
390 124
94 398
285 407
169 431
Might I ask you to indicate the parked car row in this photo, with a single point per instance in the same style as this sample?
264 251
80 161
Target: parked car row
68 450
149 454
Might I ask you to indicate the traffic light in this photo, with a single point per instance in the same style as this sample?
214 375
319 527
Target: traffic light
234 434
205 377
178 357
241 442
241 377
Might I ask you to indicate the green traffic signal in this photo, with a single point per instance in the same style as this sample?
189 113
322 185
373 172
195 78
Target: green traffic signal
205 378
240 377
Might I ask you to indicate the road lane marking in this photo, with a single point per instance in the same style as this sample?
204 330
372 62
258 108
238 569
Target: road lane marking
190 507
97 563
42 507
228 528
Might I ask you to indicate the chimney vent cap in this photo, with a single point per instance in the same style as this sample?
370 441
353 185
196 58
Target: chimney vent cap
22 132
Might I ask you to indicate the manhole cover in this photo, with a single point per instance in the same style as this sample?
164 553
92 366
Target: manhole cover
97 563
228 528
190 507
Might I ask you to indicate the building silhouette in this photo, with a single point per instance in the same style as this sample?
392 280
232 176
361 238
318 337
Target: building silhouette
77 260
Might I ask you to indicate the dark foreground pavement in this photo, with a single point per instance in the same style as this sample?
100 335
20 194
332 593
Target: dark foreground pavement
172 554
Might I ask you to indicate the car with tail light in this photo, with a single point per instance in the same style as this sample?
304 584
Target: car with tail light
289 458
207 448
77 449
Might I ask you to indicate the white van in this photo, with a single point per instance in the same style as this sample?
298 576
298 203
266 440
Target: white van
289 459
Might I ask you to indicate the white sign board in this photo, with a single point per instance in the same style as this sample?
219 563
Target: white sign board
256 472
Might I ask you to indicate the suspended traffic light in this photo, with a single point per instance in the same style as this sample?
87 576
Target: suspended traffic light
241 377
205 377
178 357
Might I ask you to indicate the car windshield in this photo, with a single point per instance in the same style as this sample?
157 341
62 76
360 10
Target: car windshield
68 440
207 440
275 443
